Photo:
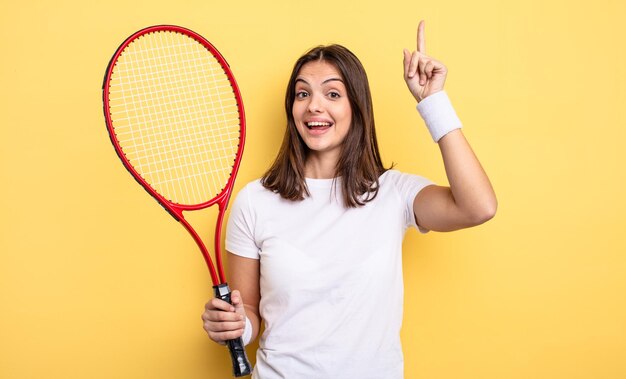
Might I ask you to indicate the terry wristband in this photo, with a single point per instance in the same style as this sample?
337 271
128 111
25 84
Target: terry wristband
439 115
247 332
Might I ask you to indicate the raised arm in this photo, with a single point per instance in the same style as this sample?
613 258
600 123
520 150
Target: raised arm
470 199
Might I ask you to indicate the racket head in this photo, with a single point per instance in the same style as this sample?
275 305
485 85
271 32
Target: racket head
175 117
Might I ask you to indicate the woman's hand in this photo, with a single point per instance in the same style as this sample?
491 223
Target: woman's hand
423 74
223 321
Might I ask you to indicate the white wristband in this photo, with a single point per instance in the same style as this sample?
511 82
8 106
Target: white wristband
247 333
439 115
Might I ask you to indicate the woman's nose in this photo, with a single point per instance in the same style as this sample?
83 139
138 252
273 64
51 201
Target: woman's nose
315 105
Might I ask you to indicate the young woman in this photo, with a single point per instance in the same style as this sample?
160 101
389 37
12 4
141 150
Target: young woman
315 245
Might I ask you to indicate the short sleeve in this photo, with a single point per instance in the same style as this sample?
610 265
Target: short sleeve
240 228
408 186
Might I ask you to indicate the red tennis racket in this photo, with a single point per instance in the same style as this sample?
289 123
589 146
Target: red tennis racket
175 116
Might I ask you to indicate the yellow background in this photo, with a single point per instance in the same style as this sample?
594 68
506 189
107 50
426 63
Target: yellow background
97 281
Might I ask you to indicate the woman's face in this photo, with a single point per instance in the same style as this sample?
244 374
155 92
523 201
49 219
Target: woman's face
321 109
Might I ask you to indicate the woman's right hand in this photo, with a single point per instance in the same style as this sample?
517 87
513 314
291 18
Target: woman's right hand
223 321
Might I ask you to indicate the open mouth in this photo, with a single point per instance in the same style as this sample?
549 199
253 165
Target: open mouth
318 125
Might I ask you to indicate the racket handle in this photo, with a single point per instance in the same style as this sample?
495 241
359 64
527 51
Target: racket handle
241 365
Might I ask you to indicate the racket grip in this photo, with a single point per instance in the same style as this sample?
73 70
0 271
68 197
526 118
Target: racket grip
241 365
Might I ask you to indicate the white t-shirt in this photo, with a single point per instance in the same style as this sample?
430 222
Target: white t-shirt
331 277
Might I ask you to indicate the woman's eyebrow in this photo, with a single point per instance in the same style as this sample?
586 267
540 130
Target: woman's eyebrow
301 80
324 82
332 79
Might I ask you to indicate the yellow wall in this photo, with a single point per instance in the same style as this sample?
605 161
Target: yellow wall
97 281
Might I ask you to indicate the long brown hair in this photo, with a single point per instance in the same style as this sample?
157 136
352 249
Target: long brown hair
359 164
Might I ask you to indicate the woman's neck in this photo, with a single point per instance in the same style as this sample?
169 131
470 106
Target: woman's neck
320 166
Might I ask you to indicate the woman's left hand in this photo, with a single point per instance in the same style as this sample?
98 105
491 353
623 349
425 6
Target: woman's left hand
423 75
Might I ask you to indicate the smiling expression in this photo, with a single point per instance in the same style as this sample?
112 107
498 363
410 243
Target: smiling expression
321 109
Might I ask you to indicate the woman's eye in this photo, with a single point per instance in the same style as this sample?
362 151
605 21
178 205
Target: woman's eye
334 95
301 94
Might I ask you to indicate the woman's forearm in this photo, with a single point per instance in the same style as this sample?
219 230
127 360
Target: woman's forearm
469 184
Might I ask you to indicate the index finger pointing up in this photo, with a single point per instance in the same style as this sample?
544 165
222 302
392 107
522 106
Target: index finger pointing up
421 45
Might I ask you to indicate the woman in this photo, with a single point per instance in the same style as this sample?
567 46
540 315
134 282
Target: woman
315 245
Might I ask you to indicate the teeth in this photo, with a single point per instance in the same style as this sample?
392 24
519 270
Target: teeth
316 123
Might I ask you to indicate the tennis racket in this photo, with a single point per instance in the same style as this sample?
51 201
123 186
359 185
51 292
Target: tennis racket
175 116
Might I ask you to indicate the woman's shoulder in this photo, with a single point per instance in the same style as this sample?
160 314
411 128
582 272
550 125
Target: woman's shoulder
250 188
253 185
395 175
254 198
255 189
390 174
400 179
244 198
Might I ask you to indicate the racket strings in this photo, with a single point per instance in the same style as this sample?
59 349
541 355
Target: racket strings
175 116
